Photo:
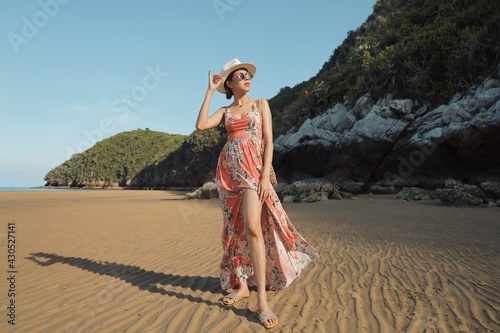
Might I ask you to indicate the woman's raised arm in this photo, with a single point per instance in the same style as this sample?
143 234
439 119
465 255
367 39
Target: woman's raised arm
204 121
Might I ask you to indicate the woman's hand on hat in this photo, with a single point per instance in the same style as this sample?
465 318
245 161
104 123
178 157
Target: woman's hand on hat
214 81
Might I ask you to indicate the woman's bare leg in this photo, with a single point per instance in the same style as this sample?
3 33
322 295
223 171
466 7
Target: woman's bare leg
252 209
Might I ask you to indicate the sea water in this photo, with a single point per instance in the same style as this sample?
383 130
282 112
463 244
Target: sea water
31 189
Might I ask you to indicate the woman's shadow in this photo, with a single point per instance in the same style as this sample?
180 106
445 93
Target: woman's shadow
144 280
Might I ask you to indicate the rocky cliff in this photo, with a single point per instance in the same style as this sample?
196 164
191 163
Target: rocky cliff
398 142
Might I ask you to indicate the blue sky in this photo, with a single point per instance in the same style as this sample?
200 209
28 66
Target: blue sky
74 72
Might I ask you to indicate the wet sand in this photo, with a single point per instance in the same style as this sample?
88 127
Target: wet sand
147 261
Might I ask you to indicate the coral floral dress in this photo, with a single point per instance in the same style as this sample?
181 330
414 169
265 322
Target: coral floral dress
239 168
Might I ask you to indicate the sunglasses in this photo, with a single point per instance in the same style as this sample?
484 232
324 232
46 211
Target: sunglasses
242 76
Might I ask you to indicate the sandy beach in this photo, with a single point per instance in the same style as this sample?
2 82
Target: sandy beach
147 261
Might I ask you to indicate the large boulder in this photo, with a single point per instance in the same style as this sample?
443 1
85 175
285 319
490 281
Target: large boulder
461 195
310 190
491 188
207 191
413 193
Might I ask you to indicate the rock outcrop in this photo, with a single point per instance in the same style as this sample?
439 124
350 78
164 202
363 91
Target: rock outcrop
309 190
207 191
399 143
90 184
461 195
412 194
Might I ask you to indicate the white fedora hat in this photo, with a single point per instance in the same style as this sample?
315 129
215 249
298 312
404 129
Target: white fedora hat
231 66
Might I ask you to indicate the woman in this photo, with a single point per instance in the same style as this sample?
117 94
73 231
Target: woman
261 246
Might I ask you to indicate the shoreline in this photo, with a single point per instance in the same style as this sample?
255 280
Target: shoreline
148 261
174 188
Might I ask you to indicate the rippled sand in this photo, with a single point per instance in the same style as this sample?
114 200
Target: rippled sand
146 261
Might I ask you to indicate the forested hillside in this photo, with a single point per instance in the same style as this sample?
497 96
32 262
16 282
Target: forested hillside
114 161
191 164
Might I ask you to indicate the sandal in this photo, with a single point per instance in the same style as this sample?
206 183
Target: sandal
265 316
234 296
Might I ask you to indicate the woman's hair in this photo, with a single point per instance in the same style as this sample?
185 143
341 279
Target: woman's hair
229 92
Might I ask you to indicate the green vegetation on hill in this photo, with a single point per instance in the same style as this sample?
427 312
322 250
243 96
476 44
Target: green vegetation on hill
419 49
116 160
190 165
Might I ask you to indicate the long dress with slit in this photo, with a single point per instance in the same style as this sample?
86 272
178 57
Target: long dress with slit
239 168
